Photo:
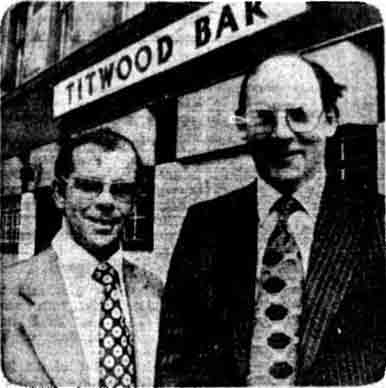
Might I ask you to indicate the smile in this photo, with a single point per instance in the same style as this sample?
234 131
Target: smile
287 154
102 223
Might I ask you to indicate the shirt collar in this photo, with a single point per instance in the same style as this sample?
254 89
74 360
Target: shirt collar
308 195
76 259
266 197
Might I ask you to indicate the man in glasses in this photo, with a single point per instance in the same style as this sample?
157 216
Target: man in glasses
281 282
79 314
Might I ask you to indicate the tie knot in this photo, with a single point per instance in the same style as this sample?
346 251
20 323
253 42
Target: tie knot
105 274
286 205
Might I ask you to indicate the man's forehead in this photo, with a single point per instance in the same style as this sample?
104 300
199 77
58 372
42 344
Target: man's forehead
92 155
285 76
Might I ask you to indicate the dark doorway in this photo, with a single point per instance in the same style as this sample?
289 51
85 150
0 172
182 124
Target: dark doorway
352 156
48 218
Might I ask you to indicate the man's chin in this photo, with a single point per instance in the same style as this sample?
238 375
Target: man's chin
102 242
284 179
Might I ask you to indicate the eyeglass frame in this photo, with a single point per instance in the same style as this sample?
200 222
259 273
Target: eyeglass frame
244 121
96 194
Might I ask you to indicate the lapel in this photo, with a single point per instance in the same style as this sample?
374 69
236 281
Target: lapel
50 324
242 276
143 295
333 258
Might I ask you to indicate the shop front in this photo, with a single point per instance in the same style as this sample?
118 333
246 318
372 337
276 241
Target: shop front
172 87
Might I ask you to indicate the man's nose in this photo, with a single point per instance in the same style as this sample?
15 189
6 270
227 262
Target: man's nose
105 198
282 129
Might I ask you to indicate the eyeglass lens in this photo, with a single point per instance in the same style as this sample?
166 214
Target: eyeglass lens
298 119
94 187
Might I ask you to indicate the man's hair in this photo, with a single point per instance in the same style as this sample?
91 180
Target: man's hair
330 90
104 137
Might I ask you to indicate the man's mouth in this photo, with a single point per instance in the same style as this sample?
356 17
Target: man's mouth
285 156
103 224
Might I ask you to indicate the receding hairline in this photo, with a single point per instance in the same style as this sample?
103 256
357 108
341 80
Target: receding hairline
330 91
291 58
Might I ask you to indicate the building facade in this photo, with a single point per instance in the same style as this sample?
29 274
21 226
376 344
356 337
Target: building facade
167 75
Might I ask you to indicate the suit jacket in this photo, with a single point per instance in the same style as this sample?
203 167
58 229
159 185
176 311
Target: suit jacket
208 304
40 342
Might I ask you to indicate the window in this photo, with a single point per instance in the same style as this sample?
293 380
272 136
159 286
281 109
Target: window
66 26
10 224
13 42
351 156
35 34
37 37
138 230
19 45
27 42
82 22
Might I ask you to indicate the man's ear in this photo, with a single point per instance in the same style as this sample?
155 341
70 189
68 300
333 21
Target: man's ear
59 193
331 124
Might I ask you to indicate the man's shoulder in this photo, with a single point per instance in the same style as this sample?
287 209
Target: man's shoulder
16 274
359 206
19 281
24 265
360 198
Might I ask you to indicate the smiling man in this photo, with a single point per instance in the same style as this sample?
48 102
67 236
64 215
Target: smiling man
79 313
286 125
281 282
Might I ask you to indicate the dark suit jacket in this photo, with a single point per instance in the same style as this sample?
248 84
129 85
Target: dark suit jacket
208 306
40 341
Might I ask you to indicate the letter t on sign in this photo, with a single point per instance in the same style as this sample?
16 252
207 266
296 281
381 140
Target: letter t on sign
69 88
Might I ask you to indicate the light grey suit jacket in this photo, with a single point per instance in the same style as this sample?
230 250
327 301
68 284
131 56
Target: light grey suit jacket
40 341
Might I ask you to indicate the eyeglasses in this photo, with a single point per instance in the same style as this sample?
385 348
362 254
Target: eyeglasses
264 120
91 188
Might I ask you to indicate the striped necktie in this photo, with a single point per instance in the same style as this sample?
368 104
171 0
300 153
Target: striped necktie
273 357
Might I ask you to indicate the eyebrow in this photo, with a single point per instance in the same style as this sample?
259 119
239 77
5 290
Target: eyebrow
101 180
263 107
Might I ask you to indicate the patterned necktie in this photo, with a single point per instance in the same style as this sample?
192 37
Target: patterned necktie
116 350
273 357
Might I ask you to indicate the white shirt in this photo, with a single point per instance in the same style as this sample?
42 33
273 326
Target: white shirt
85 294
301 223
